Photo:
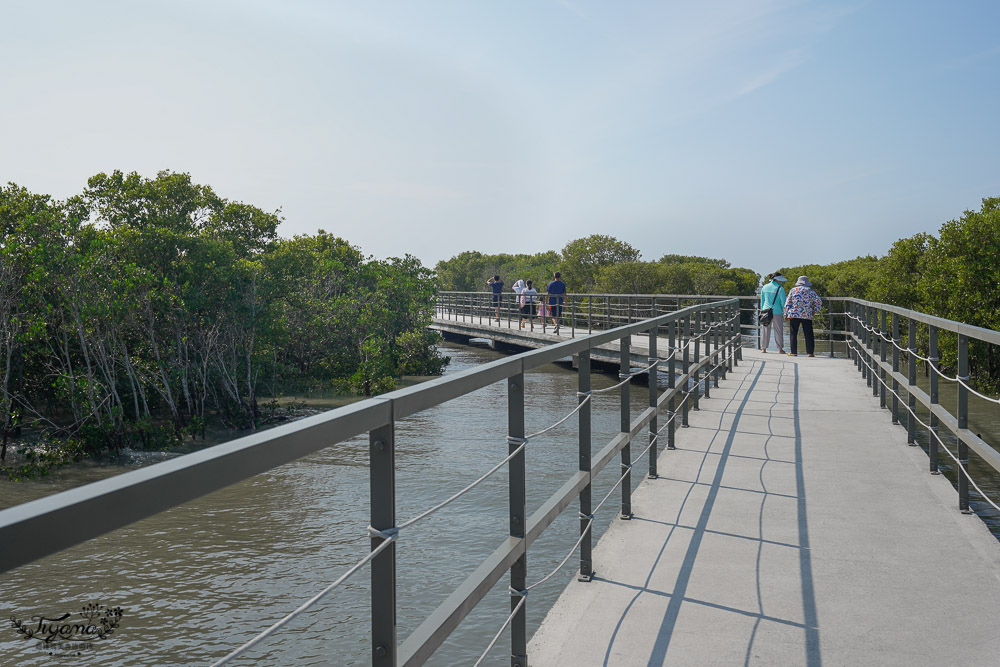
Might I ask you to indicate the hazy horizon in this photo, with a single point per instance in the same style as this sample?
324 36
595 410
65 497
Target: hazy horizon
771 133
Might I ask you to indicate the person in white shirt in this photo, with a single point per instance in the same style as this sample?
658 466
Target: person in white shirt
528 300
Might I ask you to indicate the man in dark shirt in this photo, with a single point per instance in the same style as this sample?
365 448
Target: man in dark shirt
557 292
497 286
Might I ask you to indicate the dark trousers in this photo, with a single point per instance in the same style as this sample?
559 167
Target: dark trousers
807 331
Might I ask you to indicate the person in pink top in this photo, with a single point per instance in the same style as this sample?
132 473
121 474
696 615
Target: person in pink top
800 306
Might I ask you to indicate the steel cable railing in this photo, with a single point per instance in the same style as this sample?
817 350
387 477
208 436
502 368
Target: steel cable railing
590 518
390 537
931 430
930 362
207 471
305 606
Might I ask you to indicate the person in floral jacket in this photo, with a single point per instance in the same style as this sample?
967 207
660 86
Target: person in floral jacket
801 305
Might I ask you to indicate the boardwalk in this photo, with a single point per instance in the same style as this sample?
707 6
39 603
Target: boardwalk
507 333
791 526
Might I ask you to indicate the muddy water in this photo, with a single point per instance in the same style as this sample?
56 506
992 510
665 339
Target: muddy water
196 581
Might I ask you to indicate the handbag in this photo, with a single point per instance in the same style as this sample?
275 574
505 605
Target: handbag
765 316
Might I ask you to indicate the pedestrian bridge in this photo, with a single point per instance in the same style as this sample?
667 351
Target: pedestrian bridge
782 519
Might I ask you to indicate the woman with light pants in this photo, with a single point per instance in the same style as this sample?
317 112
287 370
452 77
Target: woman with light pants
772 296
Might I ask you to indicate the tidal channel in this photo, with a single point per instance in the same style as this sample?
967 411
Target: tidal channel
199 580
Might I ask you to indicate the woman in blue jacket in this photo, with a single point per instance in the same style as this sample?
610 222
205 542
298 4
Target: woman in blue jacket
772 296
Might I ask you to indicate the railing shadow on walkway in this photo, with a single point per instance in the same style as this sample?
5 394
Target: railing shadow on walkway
703 347
677 596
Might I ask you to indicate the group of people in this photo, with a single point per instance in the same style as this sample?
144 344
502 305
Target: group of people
527 299
798 307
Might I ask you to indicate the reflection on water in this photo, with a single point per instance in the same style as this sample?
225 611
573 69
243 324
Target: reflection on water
198 580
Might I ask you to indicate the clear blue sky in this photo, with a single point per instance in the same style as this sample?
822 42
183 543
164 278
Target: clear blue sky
769 133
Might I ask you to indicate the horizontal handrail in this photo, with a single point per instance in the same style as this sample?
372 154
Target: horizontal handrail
875 340
99 507
94 509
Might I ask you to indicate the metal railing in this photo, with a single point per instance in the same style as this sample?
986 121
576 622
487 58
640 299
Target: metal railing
885 343
585 313
703 344
847 324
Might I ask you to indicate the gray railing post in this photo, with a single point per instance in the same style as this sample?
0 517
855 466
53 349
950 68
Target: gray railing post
625 366
653 374
590 318
708 352
883 351
728 347
716 321
737 335
865 336
738 329
572 316
382 490
516 479
895 368
963 423
932 354
583 442
686 367
854 330
829 333
696 382
872 322
911 378
672 381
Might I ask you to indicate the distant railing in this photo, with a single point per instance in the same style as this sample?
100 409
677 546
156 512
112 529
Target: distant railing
866 332
702 345
585 313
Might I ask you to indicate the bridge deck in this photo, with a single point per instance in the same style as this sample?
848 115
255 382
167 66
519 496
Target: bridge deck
791 526
511 334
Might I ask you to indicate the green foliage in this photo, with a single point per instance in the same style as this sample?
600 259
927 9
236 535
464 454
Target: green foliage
136 312
852 277
954 275
602 264
688 259
690 277
468 271
583 259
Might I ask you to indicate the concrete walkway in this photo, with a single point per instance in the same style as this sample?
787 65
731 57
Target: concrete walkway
792 526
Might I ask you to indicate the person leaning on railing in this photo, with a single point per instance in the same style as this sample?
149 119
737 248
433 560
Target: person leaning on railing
801 305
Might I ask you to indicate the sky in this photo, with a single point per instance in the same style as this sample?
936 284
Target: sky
770 133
